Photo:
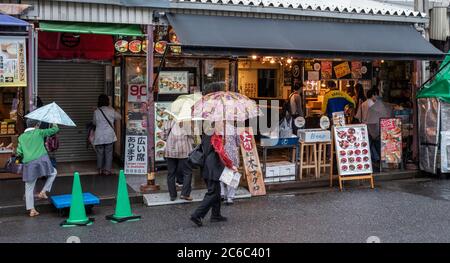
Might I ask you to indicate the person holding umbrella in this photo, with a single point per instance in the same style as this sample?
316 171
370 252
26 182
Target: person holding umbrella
33 154
36 162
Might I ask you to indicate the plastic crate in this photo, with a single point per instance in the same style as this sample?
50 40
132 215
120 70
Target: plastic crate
63 201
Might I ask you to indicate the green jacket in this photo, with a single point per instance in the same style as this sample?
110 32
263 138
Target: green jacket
32 145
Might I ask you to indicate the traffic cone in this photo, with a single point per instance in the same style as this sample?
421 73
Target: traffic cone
77 216
123 208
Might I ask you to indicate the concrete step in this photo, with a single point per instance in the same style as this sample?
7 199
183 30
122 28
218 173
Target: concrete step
158 199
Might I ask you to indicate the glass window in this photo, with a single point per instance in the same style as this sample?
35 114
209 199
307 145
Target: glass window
267 82
216 71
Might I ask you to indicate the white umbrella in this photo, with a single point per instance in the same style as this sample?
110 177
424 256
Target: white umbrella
51 113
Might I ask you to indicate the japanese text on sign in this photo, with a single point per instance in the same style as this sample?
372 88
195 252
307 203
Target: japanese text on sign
251 163
136 155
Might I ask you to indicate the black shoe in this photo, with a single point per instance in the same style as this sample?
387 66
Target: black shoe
218 219
173 198
197 221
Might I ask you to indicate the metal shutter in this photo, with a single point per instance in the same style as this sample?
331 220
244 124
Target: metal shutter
75 88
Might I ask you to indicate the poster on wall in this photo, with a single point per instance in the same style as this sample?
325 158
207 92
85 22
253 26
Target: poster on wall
326 69
136 154
391 140
342 70
137 118
338 118
252 165
13 66
161 117
353 150
356 69
173 82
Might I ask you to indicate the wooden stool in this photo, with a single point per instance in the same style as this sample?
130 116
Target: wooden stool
322 159
311 158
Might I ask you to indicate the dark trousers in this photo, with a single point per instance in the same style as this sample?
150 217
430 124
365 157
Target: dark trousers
210 201
175 168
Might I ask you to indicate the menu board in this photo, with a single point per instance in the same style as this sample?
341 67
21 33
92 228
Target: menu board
252 165
13 66
136 154
391 140
326 69
161 117
173 82
342 70
353 150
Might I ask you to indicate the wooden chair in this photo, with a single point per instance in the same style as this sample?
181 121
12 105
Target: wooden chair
322 159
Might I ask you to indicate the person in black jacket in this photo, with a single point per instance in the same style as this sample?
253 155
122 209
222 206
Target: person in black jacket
211 172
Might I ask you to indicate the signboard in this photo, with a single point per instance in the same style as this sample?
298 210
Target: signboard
130 45
136 154
252 165
173 82
391 140
161 117
13 66
137 93
324 122
342 69
326 69
353 150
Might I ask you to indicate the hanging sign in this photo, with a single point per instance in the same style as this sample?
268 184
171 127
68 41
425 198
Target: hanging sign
136 154
173 82
137 93
353 150
391 140
13 66
342 70
252 165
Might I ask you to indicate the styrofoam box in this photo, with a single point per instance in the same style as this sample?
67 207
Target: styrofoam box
280 169
314 135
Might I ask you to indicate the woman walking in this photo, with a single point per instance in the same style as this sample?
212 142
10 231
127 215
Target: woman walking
105 136
212 169
31 150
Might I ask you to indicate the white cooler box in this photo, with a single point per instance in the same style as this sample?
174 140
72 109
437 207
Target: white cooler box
314 135
277 169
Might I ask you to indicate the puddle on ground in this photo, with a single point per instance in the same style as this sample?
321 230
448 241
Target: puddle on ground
438 189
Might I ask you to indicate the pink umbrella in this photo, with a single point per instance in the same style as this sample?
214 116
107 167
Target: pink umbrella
226 106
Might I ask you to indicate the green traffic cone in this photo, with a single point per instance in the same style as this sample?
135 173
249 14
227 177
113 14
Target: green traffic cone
123 208
77 216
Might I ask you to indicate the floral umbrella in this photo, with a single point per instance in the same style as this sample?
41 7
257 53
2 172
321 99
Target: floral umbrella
226 106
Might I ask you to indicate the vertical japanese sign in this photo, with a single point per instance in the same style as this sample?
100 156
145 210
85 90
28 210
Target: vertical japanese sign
13 67
391 140
136 154
252 165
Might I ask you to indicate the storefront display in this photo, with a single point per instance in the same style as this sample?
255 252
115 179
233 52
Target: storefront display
352 150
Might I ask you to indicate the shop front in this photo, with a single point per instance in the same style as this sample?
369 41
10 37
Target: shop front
264 58
14 76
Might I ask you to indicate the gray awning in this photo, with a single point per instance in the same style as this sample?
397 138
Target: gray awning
243 36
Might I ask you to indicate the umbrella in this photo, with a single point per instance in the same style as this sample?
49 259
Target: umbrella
181 108
51 113
226 106
378 110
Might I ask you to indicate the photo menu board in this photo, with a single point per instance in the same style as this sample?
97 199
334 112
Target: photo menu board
353 150
161 117
391 140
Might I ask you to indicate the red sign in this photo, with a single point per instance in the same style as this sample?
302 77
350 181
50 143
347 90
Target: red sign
137 93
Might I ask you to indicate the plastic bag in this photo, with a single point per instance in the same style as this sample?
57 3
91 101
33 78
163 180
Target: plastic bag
286 128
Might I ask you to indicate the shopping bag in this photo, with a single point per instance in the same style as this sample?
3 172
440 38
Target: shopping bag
13 167
230 177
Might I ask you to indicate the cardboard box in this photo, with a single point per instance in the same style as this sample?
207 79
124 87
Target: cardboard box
314 135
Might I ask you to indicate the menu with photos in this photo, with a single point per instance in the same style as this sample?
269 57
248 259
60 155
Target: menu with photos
353 150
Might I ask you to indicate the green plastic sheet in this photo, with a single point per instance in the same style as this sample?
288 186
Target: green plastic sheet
440 86
91 28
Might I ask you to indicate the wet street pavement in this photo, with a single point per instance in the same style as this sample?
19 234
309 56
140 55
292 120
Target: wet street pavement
396 211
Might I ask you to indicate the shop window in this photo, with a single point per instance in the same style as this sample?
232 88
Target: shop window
215 72
267 82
